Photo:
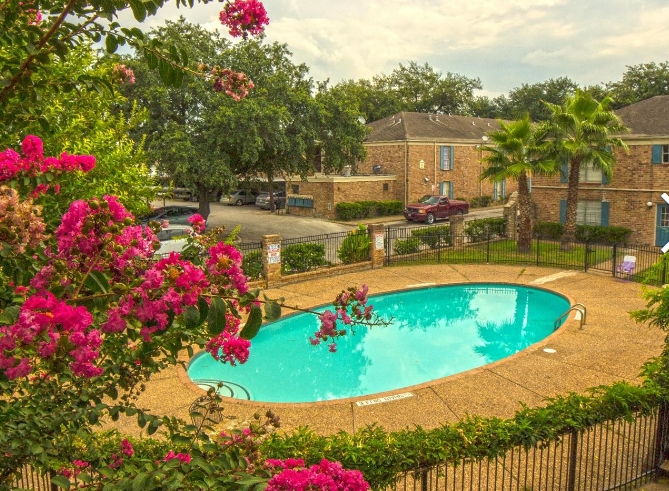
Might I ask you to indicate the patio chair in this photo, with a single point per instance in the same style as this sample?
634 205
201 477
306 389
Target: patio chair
627 266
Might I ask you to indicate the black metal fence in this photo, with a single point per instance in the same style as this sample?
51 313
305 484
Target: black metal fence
406 246
322 251
615 455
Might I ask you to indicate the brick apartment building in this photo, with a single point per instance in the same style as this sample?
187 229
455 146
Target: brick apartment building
632 198
408 155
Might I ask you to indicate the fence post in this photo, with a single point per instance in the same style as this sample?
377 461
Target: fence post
613 259
487 252
423 480
573 460
538 248
587 255
271 258
377 239
664 270
661 433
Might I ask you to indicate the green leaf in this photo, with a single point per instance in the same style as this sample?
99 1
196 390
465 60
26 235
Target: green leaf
164 71
191 317
216 317
10 315
272 311
139 482
61 481
203 307
111 43
253 323
151 59
97 282
138 10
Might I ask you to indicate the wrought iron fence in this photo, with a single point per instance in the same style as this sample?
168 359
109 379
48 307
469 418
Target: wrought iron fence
614 455
407 246
321 251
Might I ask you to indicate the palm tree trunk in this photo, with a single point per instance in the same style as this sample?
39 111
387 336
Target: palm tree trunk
569 231
524 242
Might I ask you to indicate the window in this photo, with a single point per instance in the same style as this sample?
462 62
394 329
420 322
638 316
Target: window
589 213
499 190
385 186
295 189
446 158
446 188
588 173
660 154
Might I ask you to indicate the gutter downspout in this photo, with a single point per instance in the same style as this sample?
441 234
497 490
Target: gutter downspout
406 172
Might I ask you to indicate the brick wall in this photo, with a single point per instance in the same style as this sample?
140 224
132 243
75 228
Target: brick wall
636 181
423 161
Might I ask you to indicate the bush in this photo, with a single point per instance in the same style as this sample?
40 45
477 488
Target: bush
480 201
355 247
602 235
297 258
584 233
367 209
408 246
548 230
252 265
434 237
480 230
348 211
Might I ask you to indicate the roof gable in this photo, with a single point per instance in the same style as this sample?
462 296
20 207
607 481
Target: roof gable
424 126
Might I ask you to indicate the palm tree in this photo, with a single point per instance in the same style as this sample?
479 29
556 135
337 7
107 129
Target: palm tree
516 151
583 129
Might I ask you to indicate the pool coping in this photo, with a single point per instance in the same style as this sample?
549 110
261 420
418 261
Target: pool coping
611 347
186 380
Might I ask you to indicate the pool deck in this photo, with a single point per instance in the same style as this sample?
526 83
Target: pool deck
610 347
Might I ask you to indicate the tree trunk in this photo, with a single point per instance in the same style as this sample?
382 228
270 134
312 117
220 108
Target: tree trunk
524 242
203 208
270 182
569 231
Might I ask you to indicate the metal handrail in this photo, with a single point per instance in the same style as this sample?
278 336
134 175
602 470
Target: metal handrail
579 307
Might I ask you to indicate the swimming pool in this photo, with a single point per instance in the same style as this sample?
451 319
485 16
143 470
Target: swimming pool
436 332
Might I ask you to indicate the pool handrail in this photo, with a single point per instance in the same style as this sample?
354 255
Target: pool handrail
579 307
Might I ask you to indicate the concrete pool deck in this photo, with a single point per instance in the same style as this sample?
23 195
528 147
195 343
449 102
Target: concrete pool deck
610 347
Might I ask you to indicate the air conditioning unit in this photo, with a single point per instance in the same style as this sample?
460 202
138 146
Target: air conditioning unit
376 169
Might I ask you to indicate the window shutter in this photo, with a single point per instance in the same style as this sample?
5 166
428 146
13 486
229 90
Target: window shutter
563 211
564 170
450 189
451 153
442 186
442 159
657 154
503 188
605 213
605 180
529 184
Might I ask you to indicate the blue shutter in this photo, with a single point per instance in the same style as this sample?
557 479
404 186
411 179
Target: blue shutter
529 184
503 188
657 154
451 153
564 170
442 159
605 213
563 211
605 180
442 187
450 189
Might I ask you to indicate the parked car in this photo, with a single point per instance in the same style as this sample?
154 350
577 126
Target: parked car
175 215
185 194
434 207
278 197
240 197
172 239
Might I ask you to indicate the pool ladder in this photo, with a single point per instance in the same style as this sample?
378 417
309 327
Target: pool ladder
578 307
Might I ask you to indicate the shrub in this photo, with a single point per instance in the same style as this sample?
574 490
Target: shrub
408 246
390 208
548 230
482 229
252 265
434 237
355 247
480 201
297 258
602 235
369 208
348 211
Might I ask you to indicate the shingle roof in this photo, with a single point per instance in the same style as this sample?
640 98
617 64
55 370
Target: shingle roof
649 117
423 126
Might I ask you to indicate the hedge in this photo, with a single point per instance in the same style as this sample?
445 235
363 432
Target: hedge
408 246
484 228
434 237
367 209
297 258
584 233
252 264
355 247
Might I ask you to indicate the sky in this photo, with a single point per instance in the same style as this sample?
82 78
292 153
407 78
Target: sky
504 43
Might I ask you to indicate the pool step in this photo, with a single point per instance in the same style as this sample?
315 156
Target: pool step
229 389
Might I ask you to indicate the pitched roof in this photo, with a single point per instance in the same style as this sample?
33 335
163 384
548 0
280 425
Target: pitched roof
423 126
649 117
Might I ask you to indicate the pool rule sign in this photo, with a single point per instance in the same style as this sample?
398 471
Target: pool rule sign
273 253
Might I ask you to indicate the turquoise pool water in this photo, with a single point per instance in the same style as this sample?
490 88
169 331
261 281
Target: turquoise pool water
436 332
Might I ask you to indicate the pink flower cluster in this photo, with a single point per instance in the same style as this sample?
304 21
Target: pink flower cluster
49 326
244 17
198 223
77 467
123 74
183 457
326 476
224 266
235 84
117 459
21 226
33 162
350 305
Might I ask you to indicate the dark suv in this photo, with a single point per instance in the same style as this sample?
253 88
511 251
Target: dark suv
278 197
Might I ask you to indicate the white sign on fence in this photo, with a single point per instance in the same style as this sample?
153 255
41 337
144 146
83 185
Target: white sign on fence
273 253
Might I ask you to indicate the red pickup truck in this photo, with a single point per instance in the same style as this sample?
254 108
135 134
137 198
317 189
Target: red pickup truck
434 207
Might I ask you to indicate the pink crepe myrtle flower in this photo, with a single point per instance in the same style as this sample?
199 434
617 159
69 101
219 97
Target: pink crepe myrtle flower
325 476
244 17
183 457
197 222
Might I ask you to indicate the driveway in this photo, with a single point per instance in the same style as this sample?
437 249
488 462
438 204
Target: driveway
256 222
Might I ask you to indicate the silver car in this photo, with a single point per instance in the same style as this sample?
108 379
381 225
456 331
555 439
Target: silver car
240 197
279 198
